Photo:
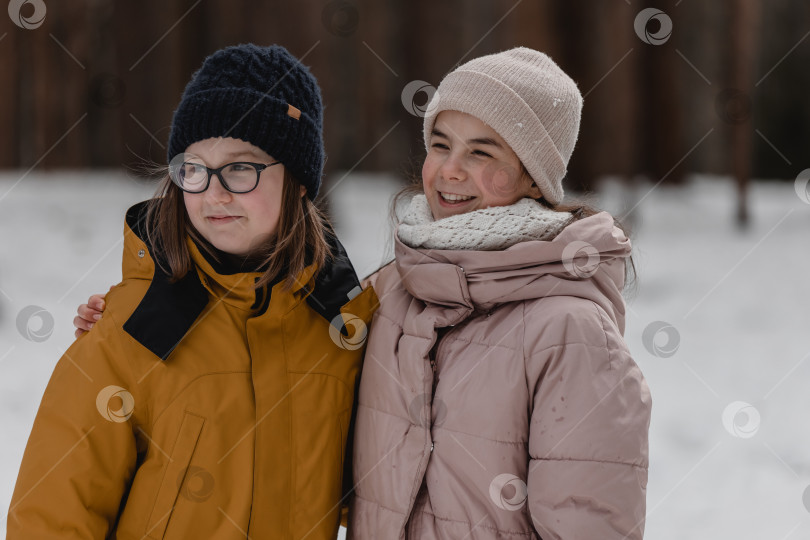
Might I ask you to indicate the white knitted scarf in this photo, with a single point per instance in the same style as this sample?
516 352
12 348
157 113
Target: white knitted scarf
489 229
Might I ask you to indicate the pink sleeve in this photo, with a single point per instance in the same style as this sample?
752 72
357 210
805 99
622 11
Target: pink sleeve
588 435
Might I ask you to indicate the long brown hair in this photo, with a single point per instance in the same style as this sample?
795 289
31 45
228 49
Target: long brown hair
580 208
300 239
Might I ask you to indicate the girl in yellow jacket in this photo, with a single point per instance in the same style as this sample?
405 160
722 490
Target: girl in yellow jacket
213 400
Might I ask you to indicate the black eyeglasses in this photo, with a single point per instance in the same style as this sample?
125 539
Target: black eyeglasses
237 177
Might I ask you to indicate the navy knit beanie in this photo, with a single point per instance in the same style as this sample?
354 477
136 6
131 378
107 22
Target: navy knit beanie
262 95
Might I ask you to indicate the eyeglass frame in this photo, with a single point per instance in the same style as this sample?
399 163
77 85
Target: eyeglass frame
258 167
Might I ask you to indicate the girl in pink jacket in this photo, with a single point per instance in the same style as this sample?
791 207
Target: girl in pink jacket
498 398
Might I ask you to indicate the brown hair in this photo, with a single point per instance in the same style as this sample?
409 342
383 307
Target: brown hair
578 208
300 238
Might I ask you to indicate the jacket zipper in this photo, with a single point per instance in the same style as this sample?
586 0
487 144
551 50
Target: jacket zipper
432 355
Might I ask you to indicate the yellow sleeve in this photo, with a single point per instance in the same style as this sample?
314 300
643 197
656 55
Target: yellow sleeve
82 452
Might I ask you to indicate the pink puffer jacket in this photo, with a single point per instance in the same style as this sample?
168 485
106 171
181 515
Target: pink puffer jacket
498 398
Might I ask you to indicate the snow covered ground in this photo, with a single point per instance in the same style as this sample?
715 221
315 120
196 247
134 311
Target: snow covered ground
728 366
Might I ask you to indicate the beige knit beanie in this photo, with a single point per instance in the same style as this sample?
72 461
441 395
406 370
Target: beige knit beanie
528 100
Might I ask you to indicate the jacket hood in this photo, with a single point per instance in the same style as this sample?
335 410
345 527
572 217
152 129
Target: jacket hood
168 310
587 259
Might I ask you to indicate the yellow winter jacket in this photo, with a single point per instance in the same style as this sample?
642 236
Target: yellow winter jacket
200 409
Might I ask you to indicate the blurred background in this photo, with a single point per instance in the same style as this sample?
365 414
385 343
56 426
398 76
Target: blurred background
695 132
111 73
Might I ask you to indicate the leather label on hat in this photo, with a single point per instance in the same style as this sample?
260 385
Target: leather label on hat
292 112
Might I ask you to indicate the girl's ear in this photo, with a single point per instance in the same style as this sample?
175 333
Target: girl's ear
534 191
303 191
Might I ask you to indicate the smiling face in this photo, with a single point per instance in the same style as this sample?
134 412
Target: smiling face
236 223
470 167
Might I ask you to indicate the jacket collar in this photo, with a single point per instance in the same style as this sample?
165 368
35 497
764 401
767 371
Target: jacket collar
224 282
587 259
168 310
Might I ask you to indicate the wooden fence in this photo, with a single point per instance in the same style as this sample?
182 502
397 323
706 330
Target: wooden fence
95 82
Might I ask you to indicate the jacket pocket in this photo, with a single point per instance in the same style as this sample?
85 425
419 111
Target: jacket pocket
169 489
